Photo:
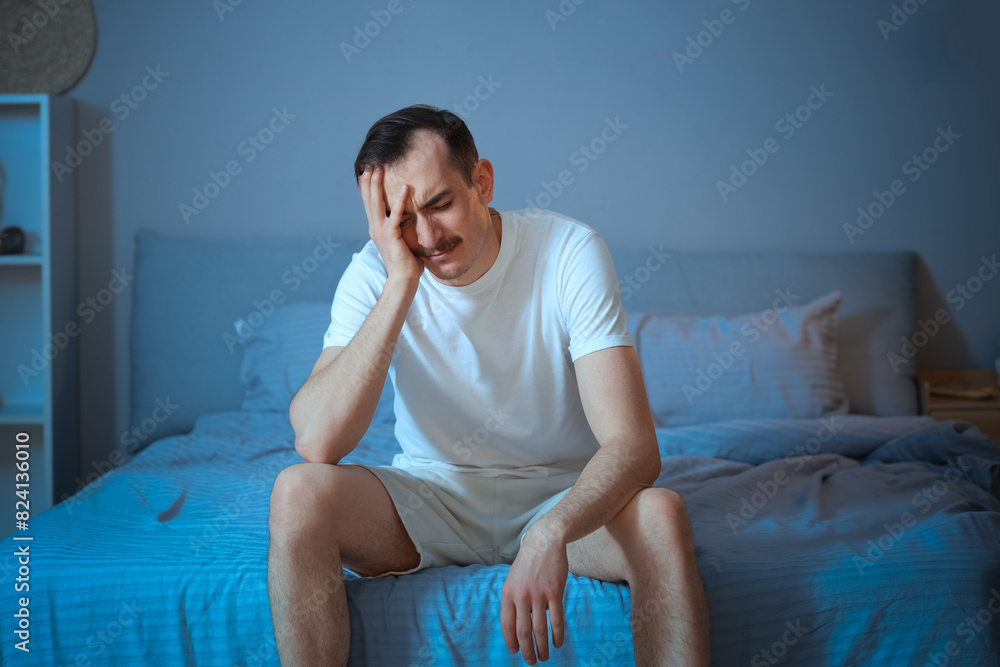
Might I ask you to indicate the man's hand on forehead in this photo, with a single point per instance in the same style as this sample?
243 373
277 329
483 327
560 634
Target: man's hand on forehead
384 225
393 185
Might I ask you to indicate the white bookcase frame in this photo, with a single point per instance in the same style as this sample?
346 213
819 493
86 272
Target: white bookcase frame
38 300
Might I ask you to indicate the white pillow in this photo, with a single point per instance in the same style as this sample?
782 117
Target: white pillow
766 364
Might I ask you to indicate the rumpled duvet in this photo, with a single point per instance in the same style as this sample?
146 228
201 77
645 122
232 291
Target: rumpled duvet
846 541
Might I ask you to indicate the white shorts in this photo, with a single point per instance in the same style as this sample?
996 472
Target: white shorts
457 518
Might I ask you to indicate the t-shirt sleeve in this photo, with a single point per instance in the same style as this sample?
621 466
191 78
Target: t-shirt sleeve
354 299
590 300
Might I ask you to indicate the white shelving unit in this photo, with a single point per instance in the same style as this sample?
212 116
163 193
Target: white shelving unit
38 376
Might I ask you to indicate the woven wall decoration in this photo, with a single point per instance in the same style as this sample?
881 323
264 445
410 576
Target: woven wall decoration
45 45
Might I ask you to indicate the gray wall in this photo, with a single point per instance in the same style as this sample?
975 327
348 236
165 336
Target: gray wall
555 83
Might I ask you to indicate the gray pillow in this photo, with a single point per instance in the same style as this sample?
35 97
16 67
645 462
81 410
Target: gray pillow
761 365
279 355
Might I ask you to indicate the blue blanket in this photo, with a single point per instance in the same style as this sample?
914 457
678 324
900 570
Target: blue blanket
855 540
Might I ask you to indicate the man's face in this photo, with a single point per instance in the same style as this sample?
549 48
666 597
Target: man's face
445 223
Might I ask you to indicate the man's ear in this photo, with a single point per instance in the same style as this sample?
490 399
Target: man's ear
482 179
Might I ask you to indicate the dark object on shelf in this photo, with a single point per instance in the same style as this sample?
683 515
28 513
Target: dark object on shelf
11 241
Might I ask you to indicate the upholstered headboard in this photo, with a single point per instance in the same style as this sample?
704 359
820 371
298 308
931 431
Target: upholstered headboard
188 292
879 305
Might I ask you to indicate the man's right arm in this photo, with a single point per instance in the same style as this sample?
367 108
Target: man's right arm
335 406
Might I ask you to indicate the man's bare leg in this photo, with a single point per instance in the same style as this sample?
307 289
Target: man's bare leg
324 517
649 544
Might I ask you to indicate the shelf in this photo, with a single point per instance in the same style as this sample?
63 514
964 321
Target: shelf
974 377
15 413
36 99
935 402
21 260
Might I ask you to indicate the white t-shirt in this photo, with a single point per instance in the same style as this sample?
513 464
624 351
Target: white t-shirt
483 373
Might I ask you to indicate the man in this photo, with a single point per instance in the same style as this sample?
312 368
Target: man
506 324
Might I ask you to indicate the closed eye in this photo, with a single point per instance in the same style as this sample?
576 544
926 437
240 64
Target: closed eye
442 207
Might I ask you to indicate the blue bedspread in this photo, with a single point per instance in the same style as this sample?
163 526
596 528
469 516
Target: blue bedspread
855 541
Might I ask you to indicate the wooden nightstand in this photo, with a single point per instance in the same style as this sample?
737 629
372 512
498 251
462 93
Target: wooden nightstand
984 413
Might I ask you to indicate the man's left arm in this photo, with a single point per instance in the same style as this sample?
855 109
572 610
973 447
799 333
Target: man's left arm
614 401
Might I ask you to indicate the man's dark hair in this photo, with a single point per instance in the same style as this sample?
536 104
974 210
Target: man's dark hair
389 139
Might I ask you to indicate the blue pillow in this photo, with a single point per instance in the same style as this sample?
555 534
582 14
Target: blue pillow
279 355
761 365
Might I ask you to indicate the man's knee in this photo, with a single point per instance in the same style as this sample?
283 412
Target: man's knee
302 493
660 514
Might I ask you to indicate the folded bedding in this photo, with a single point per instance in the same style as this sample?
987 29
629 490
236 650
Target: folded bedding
847 540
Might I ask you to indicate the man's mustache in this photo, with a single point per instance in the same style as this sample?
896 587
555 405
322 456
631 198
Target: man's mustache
439 249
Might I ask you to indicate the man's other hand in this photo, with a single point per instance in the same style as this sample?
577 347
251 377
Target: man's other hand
535 584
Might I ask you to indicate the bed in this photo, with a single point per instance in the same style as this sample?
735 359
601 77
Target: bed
833 525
